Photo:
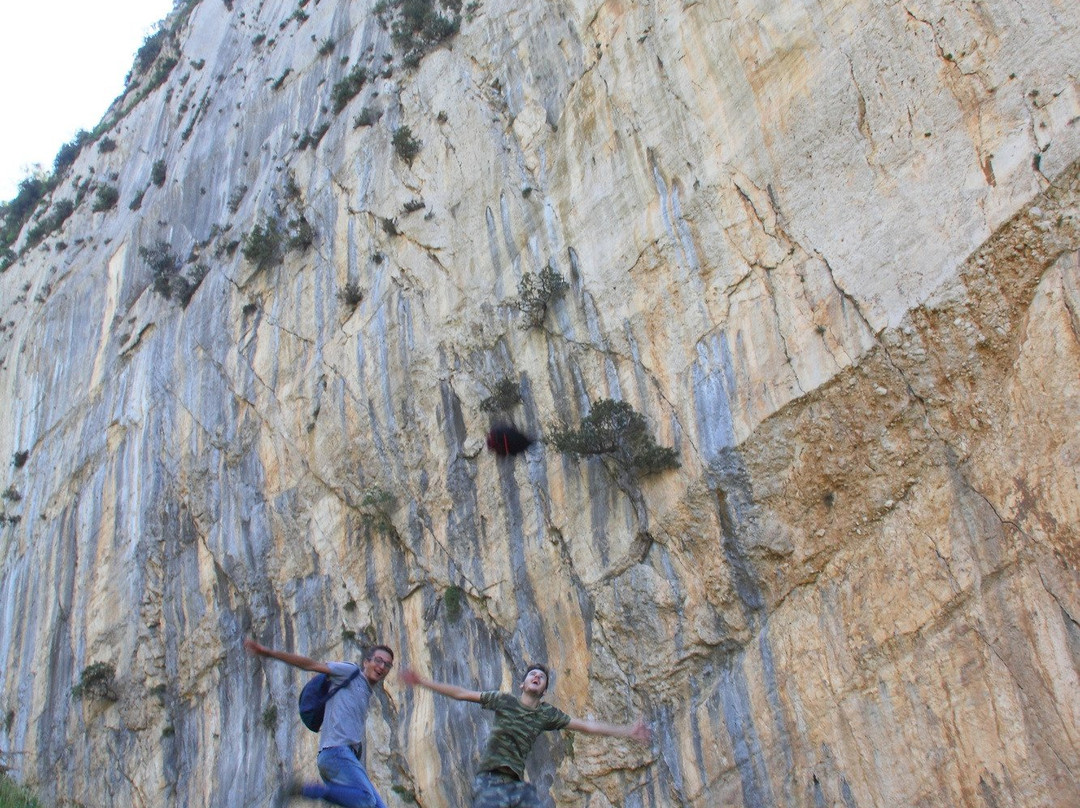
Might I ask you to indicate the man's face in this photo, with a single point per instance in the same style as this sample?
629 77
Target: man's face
376 668
535 682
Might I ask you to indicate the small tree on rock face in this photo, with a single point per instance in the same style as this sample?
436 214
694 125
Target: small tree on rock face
262 246
169 279
98 680
505 395
536 292
406 146
614 428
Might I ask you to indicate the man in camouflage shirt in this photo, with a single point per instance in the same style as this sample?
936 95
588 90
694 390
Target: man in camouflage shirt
500 778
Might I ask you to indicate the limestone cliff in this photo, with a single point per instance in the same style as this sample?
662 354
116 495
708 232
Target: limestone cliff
829 251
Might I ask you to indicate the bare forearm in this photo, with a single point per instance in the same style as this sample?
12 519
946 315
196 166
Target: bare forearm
636 731
296 660
442 688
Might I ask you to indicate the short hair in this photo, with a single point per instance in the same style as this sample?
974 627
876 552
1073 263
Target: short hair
370 652
537 666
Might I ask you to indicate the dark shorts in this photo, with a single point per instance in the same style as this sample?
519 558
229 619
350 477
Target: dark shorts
497 790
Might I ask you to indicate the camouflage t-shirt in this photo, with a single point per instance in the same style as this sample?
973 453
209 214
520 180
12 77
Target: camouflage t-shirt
516 728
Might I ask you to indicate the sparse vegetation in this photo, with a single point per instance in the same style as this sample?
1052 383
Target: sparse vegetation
366 117
269 717
406 146
149 51
453 598
157 173
376 507
326 47
12 795
350 294
50 223
313 136
105 198
413 205
236 197
262 246
15 214
301 233
69 152
98 681
505 395
19 459
277 85
346 89
106 145
11 494
136 202
170 281
536 293
615 429
417 26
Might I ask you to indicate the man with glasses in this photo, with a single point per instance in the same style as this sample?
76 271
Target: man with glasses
341 738
519 720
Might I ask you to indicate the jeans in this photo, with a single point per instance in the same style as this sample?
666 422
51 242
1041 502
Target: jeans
346 779
497 790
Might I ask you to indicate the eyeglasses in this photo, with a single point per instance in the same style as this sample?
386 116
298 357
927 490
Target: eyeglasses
382 662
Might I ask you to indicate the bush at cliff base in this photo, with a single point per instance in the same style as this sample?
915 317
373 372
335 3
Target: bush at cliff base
12 795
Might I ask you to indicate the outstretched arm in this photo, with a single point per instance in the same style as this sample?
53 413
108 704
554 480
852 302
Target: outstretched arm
296 660
637 731
412 678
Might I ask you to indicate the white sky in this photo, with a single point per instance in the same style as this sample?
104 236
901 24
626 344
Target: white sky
62 62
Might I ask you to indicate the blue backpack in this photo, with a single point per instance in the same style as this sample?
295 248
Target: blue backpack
314 696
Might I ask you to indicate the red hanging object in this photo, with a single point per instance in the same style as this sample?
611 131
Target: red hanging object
506 440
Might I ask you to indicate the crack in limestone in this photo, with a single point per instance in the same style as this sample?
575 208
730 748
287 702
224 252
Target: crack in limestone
863 126
1071 298
957 589
1049 591
767 280
1047 741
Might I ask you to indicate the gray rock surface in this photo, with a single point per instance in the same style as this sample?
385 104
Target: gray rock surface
830 252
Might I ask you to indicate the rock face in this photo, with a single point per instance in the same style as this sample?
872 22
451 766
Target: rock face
830 251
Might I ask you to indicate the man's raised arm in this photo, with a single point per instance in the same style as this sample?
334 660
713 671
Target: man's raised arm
296 660
412 679
637 731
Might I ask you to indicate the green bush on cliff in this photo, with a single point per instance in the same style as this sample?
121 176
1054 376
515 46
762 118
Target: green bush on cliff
49 223
98 680
417 26
505 395
406 146
170 281
12 795
615 429
105 198
536 293
346 89
262 246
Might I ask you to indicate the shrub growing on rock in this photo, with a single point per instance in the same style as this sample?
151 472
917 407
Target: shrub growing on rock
505 395
536 292
98 680
615 429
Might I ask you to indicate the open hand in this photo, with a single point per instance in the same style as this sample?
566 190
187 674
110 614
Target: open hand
409 677
640 732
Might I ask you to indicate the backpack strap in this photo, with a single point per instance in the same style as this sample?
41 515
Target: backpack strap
330 693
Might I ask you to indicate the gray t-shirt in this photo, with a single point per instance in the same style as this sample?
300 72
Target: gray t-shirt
345 717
